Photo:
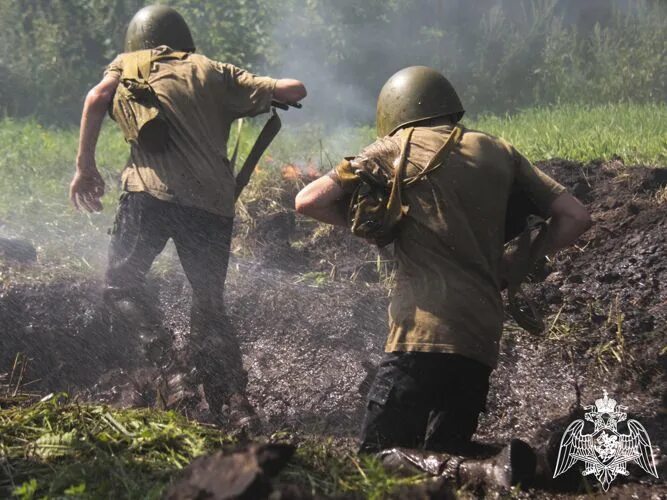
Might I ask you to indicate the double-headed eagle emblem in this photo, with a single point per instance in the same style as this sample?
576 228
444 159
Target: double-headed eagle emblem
605 452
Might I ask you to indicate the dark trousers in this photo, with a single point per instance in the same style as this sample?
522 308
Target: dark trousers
426 401
142 228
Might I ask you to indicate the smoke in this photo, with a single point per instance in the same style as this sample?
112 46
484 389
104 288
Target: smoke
501 55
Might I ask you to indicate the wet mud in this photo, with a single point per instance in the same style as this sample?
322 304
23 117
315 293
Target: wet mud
309 307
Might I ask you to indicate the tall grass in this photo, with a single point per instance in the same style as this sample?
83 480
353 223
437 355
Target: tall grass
637 133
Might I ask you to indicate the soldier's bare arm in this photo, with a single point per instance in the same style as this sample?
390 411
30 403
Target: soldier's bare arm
321 200
289 90
87 186
569 220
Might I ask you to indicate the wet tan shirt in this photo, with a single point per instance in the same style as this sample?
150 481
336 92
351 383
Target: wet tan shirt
449 247
200 99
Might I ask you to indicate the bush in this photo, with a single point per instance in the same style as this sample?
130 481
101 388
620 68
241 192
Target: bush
502 55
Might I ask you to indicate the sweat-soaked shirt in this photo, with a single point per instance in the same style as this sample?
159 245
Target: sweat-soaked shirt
450 244
200 98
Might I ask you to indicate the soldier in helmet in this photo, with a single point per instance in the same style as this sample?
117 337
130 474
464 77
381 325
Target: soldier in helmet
175 108
446 313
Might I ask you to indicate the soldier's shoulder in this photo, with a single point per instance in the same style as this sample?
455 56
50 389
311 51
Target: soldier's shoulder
118 58
115 67
384 148
201 59
488 141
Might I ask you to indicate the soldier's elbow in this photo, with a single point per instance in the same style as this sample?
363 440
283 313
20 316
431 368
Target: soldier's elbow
100 96
580 220
303 203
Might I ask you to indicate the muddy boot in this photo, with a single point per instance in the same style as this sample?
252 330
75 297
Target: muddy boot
179 388
238 415
154 339
515 464
135 317
409 462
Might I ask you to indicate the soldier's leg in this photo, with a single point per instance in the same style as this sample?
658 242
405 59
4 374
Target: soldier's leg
203 243
397 409
460 387
137 237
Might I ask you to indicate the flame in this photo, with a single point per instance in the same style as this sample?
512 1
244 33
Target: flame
300 172
291 172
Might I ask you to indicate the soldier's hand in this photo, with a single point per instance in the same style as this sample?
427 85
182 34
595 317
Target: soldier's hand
86 189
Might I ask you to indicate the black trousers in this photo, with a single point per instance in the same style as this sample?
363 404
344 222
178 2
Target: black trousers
425 401
142 228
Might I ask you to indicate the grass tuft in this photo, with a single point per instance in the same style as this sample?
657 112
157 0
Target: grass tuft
57 447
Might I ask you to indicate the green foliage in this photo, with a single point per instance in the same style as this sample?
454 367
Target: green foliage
332 468
635 133
57 447
502 55
232 31
623 60
37 164
52 52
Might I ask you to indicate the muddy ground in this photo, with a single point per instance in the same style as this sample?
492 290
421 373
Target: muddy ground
309 307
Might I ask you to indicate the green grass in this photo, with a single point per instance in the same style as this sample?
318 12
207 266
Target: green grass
37 163
635 133
57 448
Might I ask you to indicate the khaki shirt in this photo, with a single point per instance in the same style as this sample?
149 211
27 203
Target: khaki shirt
450 245
200 99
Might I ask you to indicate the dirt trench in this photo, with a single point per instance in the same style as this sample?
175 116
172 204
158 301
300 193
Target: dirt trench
309 307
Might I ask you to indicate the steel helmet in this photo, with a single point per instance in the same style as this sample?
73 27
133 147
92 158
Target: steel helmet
157 25
413 94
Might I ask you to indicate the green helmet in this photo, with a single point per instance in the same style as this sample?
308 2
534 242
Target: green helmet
157 25
413 94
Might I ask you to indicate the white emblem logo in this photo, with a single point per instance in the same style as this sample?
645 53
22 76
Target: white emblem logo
605 452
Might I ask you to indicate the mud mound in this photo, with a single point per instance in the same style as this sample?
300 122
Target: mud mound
310 311
606 304
622 260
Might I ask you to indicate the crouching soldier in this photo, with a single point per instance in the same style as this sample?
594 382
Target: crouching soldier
440 192
175 109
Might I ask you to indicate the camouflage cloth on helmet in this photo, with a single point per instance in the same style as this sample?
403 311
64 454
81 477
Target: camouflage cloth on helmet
450 243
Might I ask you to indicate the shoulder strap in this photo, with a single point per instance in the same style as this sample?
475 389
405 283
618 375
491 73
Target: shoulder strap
528 252
395 207
137 65
438 158
266 135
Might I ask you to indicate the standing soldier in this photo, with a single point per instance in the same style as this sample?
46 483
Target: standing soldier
448 225
175 108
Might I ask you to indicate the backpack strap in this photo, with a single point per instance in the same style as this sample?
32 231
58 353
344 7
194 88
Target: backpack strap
528 252
439 157
137 65
395 208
